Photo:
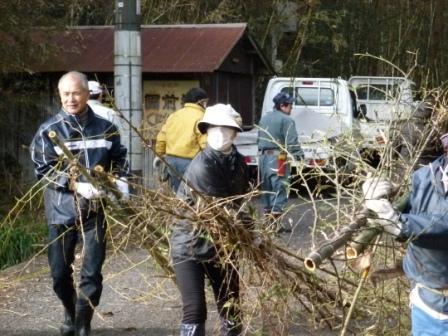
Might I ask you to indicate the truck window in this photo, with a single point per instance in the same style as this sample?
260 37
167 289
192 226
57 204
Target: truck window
380 92
309 96
362 92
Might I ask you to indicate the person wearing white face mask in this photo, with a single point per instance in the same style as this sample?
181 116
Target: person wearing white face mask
220 138
217 171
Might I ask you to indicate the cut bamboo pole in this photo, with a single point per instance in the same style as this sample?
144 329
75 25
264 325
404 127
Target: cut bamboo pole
361 242
364 238
326 250
73 160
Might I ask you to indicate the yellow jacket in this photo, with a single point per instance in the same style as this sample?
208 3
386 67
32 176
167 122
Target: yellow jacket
179 135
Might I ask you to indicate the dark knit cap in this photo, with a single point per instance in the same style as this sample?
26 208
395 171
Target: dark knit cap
194 95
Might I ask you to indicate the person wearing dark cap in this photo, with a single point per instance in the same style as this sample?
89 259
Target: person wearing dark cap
179 140
277 140
217 171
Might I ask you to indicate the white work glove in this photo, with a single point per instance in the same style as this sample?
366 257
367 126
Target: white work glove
156 163
376 187
388 218
123 187
88 191
161 169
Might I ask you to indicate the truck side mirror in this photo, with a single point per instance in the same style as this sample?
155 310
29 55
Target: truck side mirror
362 112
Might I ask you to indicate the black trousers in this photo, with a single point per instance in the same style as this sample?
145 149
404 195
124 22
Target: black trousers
224 279
61 254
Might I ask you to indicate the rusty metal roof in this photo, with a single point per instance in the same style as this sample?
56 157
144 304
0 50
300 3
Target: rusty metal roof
165 49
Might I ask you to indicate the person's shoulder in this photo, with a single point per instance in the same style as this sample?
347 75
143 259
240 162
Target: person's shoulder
267 116
192 109
240 158
431 168
51 121
103 122
102 110
198 168
423 171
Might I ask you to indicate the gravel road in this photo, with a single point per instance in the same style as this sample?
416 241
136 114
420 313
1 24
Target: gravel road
137 299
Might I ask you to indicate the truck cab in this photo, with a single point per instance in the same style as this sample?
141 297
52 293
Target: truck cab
382 101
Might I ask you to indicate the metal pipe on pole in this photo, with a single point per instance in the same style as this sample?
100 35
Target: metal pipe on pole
128 76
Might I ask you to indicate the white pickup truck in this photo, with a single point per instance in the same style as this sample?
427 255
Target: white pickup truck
382 101
324 109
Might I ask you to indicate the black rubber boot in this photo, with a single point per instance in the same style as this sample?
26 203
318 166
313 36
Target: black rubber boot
68 327
84 316
192 329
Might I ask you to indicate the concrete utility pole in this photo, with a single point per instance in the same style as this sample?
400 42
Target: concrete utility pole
128 75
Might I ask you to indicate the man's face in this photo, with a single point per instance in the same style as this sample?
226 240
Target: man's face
74 97
286 108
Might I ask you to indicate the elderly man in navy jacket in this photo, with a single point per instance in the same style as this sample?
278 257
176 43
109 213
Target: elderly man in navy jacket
73 205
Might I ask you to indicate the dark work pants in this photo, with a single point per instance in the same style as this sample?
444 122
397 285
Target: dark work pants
274 187
61 253
190 276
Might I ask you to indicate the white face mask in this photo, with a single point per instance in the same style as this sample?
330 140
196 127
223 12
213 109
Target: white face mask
220 138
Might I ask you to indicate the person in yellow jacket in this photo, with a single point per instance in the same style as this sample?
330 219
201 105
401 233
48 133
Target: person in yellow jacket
179 140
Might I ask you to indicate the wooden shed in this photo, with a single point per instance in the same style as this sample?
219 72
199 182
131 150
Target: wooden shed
221 58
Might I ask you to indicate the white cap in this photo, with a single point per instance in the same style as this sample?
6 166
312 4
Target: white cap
220 115
95 88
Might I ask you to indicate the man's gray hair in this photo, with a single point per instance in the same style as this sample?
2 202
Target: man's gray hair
82 78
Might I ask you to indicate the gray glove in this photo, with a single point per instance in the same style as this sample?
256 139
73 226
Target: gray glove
388 217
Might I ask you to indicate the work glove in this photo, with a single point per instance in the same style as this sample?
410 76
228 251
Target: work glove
123 187
388 217
88 191
156 163
161 169
376 187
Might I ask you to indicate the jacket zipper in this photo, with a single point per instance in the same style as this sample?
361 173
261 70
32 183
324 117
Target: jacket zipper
81 131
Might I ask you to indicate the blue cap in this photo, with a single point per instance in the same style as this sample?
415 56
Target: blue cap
282 98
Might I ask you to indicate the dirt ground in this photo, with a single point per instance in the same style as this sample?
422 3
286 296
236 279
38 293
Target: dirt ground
137 298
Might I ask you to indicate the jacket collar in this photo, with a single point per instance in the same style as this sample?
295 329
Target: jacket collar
436 174
75 119
195 106
227 160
